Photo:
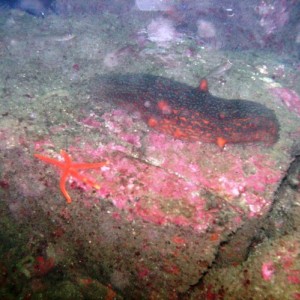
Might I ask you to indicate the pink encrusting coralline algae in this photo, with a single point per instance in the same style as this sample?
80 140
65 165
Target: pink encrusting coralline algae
289 98
168 181
267 270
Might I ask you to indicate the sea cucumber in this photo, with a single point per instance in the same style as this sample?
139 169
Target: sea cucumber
188 113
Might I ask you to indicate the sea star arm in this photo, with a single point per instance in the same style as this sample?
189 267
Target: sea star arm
66 172
84 179
61 165
50 160
62 185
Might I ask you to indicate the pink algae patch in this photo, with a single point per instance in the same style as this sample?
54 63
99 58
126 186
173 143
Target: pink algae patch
268 270
166 181
223 173
171 187
91 121
152 193
289 98
176 185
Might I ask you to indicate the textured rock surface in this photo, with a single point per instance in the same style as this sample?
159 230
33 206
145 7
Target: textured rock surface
166 209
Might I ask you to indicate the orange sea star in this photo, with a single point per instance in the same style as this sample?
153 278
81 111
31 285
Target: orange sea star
70 168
